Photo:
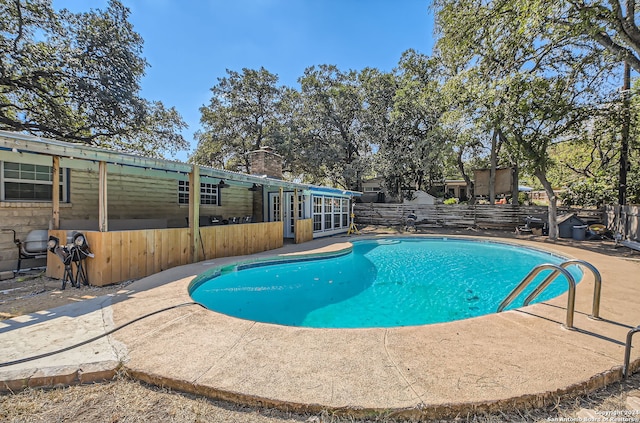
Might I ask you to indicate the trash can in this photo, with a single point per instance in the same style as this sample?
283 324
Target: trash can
579 232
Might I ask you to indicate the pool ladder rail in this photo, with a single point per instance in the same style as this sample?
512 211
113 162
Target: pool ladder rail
595 312
627 351
558 269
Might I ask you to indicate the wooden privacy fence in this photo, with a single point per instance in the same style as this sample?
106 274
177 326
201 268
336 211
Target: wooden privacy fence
303 231
624 220
126 255
239 240
503 216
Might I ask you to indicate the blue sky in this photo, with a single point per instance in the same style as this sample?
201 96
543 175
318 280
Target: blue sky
189 44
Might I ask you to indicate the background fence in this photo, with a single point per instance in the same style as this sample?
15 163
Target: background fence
625 220
504 216
239 240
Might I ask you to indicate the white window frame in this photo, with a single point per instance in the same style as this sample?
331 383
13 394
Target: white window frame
330 213
209 193
21 180
317 212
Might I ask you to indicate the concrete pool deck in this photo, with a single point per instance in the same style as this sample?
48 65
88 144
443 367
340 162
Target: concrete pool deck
519 358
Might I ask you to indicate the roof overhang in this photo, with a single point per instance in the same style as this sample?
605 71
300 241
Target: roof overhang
23 143
333 191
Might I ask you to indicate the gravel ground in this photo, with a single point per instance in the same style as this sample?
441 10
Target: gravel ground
126 400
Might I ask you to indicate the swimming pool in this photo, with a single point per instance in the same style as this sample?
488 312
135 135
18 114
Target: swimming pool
378 283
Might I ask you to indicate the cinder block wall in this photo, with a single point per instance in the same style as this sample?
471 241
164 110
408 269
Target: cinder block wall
23 218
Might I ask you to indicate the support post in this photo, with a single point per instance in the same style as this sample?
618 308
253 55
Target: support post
281 193
103 217
282 218
194 213
55 193
294 218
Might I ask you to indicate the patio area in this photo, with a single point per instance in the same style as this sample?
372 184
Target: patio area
520 358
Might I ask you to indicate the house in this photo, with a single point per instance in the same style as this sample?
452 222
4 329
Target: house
58 186
374 191
456 188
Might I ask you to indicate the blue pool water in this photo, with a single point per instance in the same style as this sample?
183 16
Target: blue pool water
381 283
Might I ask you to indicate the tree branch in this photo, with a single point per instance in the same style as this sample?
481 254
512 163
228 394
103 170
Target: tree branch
617 50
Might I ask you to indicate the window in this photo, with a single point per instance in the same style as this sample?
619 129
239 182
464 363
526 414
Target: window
330 213
276 208
183 192
208 193
345 212
29 182
327 212
372 189
317 213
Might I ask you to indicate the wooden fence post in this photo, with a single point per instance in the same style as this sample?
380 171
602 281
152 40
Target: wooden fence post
55 192
103 218
194 214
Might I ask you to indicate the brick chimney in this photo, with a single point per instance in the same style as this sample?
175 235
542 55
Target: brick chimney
266 162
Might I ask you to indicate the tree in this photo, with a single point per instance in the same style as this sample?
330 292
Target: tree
544 110
330 127
158 134
612 24
537 81
379 126
77 77
466 144
464 124
585 165
404 112
242 116
588 164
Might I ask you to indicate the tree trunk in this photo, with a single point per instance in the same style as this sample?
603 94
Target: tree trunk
553 204
470 187
515 192
494 165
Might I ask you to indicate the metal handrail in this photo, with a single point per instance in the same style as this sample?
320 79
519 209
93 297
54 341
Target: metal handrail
571 300
597 288
627 351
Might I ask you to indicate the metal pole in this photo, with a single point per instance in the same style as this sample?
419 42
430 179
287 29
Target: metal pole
626 124
571 295
627 351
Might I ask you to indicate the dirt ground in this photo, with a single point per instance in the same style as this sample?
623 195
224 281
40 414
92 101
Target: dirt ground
127 400
32 291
